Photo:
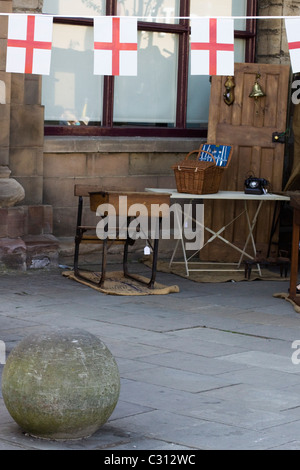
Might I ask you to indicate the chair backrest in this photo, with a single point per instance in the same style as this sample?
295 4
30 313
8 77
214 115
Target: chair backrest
221 153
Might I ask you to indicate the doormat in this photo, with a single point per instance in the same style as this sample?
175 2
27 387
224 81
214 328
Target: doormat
285 296
215 276
116 284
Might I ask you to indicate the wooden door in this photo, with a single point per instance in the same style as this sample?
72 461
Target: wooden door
248 125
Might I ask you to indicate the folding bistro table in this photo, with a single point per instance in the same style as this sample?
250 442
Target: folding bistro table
222 195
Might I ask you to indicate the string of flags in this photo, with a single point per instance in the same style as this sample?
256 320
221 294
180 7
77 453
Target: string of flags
29 45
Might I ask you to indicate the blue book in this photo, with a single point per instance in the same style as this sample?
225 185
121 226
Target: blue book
220 152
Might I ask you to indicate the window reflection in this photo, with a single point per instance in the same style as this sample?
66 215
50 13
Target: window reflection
71 93
74 7
212 7
162 11
151 96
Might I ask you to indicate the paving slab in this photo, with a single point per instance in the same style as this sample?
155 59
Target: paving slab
207 368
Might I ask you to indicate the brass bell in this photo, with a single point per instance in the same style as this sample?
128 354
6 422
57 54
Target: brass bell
257 91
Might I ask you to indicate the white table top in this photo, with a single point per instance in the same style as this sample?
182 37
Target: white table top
236 195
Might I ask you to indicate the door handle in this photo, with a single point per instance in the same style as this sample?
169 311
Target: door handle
279 137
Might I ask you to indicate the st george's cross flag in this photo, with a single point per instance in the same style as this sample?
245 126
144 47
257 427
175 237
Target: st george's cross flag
212 46
292 27
115 46
29 43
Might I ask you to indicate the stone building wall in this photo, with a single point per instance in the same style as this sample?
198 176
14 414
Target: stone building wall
128 164
48 167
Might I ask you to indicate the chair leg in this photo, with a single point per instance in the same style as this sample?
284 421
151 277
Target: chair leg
125 259
154 264
76 254
129 241
104 261
78 236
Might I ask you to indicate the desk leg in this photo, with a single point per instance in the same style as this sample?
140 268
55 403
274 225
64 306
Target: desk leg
251 226
78 235
180 240
151 283
155 253
294 260
218 235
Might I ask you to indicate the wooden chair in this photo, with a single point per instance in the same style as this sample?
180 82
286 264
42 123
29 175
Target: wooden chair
87 233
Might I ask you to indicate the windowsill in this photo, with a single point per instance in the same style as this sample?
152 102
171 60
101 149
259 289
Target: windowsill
72 144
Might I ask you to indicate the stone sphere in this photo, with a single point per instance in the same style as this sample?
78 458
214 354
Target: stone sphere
60 384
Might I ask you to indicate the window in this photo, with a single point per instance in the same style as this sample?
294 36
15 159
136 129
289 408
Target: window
164 99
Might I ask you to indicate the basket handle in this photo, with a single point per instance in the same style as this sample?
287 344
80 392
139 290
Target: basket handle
201 151
210 154
197 151
213 163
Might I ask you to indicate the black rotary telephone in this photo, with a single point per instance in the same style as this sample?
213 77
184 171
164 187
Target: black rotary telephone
255 185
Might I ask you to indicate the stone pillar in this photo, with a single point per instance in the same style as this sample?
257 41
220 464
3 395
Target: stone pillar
5 6
27 123
272 47
27 135
26 239
11 192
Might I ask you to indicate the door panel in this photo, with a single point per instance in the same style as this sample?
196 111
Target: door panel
248 125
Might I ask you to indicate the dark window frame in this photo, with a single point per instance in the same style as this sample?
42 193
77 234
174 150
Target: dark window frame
107 127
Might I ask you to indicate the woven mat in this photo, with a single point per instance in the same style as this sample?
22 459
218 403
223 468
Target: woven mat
214 276
116 284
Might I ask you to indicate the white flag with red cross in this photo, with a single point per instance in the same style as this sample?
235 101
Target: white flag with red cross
115 46
292 27
29 43
212 46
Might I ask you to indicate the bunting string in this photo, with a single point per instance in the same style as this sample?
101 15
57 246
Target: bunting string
29 43
161 18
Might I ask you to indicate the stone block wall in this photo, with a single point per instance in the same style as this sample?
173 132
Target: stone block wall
130 164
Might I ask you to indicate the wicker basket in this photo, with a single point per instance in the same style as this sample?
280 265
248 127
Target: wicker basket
198 176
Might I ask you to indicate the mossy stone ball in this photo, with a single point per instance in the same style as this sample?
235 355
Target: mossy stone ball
60 384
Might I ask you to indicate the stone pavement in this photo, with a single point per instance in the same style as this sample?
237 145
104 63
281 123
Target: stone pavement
207 368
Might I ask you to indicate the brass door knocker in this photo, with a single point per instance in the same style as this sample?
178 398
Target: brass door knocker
229 93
